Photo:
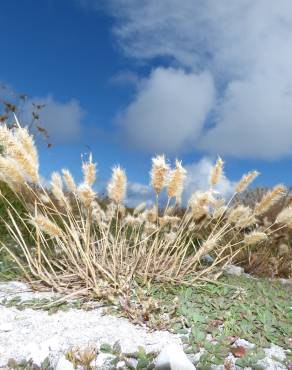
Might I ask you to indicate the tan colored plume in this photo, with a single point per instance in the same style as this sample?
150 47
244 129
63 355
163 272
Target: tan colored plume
159 173
118 185
176 182
269 199
89 171
216 172
246 180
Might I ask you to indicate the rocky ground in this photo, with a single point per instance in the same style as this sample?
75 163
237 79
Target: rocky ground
33 338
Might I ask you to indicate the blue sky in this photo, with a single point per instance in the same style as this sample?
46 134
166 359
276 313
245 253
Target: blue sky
132 79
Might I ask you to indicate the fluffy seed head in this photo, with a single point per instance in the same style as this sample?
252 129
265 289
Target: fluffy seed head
140 208
238 213
176 182
254 237
28 143
269 199
86 194
151 215
199 202
118 185
10 172
133 221
89 171
216 172
207 246
57 189
69 181
18 145
47 226
246 180
159 173
285 216
219 212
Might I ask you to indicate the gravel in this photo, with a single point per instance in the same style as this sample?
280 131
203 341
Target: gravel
34 334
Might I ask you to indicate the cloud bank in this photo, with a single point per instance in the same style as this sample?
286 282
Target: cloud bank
242 49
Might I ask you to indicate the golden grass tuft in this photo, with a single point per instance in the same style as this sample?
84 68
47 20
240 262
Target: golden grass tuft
82 245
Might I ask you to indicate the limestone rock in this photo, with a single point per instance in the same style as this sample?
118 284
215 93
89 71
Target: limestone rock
173 357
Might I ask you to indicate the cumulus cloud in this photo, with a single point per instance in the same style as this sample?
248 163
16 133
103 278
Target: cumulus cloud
245 45
138 193
63 121
169 110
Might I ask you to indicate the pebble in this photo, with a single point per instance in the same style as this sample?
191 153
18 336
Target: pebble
172 357
64 364
234 270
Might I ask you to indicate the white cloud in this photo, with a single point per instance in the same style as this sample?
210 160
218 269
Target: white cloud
169 110
138 193
63 121
245 45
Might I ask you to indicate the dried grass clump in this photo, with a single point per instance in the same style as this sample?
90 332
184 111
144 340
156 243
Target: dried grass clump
82 245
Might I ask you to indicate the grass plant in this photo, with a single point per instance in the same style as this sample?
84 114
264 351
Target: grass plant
66 238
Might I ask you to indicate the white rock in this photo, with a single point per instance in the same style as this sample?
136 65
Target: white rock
37 352
207 259
173 357
64 364
269 364
195 357
6 327
286 281
275 352
243 343
133 362
55 334
234 270
121 365
104 361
